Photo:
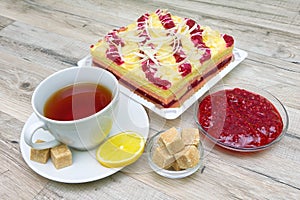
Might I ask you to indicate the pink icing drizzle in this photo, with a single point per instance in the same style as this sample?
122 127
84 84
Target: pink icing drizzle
228 39
148 66
184 68
196 37
165 19
112 52
179 55
141 24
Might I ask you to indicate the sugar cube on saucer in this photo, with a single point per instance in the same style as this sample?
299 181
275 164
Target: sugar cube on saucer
40 156
61 156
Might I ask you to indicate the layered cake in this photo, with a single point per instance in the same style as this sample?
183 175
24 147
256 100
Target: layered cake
162 57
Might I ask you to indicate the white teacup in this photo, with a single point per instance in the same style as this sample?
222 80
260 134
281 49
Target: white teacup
82 134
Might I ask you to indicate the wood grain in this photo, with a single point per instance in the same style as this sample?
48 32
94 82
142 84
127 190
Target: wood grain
233 183
57 51
38 38
4 22
17 180
272 39
117 186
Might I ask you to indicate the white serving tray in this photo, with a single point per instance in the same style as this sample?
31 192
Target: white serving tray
172 113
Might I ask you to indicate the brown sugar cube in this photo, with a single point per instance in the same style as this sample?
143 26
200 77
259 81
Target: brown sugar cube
175 166
171 138
162 158
190 136
40 156
160 142
61 156
188 157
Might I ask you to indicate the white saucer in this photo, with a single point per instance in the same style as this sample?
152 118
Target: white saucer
85 168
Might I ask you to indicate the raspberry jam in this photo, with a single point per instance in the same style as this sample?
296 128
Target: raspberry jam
239 118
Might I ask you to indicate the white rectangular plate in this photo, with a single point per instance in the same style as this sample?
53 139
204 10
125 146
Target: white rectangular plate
172 113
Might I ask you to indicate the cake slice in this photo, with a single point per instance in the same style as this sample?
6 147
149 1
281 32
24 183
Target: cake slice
162 57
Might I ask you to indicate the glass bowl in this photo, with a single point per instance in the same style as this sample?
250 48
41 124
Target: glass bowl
152 144
220 112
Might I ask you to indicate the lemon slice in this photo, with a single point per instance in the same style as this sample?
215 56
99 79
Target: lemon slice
121 150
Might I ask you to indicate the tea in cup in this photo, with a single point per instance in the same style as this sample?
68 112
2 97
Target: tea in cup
77 106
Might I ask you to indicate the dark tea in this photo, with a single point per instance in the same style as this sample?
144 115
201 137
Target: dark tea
77 101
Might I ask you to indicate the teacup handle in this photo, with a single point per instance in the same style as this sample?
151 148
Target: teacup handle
32 130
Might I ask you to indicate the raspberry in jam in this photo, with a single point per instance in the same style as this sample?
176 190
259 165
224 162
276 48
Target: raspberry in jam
239 118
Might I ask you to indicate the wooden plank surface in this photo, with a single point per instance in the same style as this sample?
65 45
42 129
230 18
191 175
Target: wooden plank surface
38 38
88 19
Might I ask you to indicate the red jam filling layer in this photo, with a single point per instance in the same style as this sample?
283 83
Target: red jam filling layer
240 118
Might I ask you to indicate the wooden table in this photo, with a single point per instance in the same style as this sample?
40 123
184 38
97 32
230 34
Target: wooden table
38 38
